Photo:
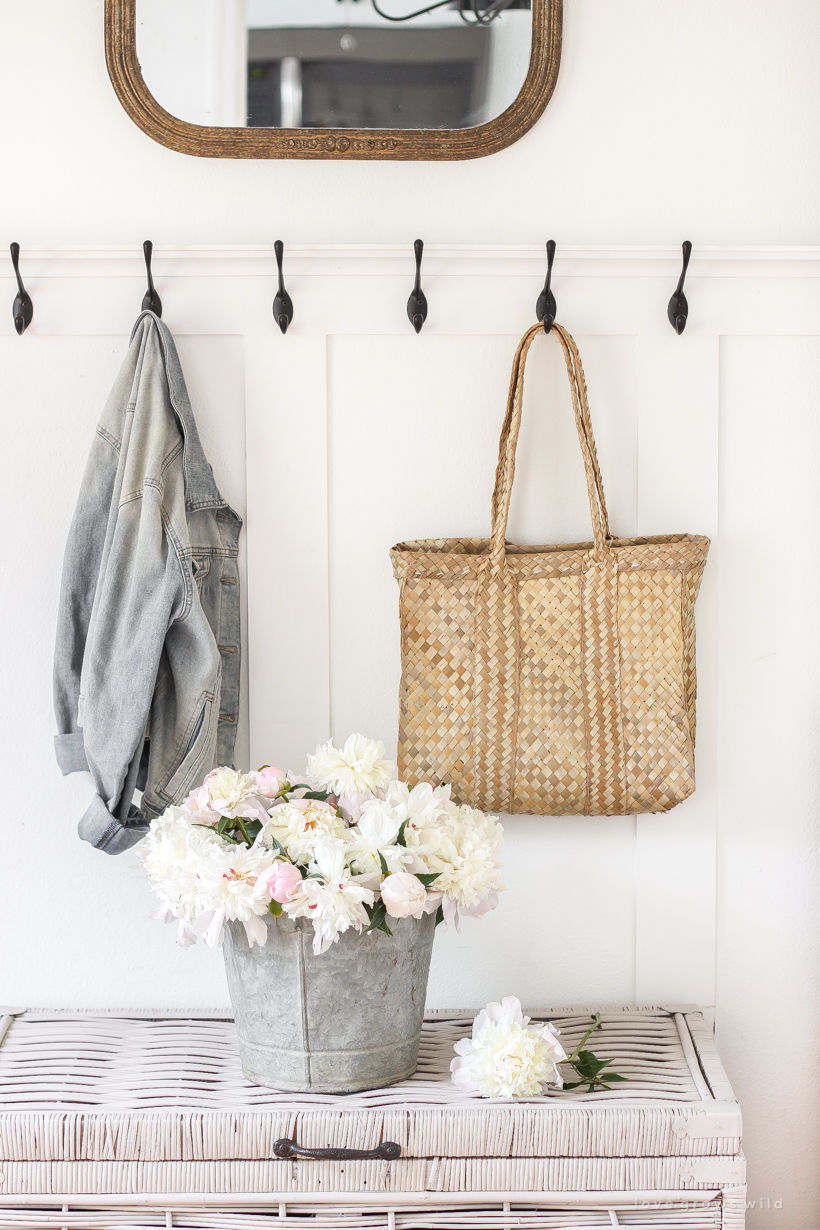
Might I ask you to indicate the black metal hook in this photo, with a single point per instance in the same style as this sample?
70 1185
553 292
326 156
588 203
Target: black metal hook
678 309
282 304
545 308
23 309
417 303
151 301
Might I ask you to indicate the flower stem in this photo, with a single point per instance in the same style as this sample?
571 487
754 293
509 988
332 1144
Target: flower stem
596 1024
244 833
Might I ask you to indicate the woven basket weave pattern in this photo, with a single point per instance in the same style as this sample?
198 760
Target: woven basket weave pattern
550 680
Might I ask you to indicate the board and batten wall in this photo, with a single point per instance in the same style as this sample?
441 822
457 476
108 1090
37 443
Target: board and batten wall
352 433
668 122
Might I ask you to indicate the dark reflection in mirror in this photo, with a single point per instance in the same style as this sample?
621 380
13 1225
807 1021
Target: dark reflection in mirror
338 64
370 79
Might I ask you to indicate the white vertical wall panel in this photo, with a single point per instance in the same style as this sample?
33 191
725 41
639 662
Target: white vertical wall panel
287 546
678 493
768 976
564 932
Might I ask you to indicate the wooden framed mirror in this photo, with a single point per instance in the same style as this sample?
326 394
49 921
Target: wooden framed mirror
375 79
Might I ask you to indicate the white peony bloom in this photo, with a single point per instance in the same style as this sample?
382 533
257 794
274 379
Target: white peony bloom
230 793
462 845
299 825
165 844
171 852
333 903
506 1059
356 768
227 884
375 835
419 806
404 895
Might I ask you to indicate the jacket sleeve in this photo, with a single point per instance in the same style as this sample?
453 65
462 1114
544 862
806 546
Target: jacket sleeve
143 586
81 566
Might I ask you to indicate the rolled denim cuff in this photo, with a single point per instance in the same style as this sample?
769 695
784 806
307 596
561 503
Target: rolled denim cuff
70 753
105 832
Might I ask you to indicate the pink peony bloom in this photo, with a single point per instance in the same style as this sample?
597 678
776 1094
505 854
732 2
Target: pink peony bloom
269 781
352 802
197 814
280 881
403 895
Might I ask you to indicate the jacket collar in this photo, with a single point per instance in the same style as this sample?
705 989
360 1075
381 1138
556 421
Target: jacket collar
201 490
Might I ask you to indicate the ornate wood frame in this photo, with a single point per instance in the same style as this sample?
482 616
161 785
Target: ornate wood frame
384 143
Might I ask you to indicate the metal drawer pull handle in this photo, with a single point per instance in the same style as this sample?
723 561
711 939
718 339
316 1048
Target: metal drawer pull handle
387 1151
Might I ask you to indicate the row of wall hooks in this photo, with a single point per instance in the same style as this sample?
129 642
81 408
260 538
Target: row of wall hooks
546 308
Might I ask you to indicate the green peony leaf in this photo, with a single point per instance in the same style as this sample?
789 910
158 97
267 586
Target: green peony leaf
253 829
378 918
587 1064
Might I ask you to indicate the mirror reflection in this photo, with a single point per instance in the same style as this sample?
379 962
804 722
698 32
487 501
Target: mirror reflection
334 63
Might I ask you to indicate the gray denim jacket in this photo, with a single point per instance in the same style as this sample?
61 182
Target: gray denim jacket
146 668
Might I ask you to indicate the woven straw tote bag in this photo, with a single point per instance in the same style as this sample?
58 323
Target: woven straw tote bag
550 680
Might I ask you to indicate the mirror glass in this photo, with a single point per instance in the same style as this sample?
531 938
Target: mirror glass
334 63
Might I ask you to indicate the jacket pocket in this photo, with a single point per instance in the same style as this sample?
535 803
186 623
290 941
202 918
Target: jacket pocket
196 731
197 759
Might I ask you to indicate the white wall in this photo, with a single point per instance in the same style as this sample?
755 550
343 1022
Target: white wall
668 122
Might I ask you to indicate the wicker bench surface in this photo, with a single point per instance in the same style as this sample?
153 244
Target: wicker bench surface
123 1062
139 1103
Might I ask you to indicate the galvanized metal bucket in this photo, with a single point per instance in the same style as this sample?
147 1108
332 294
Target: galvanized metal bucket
341 1022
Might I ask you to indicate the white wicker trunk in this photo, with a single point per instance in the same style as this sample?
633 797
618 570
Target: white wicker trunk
139 1120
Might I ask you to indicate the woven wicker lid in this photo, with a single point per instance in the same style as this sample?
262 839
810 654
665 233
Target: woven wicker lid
96 1087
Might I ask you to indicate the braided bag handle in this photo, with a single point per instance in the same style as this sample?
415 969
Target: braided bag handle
505 471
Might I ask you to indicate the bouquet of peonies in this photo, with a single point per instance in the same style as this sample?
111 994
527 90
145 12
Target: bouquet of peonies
348 847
